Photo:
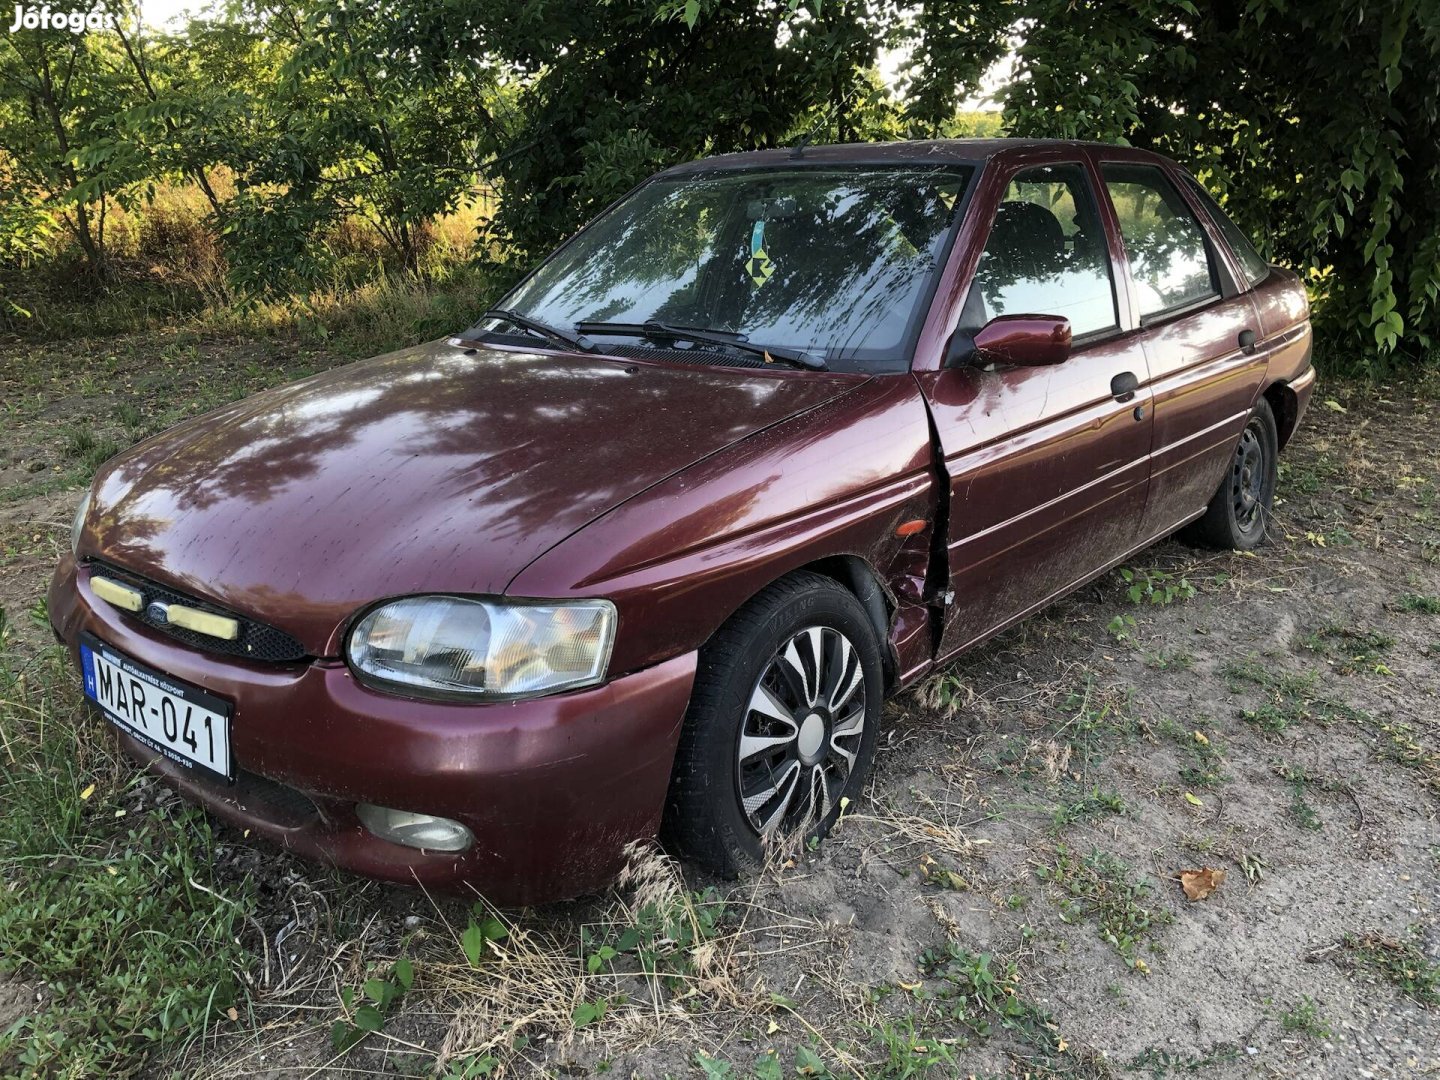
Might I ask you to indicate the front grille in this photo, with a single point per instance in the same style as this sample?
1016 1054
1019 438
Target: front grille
256 641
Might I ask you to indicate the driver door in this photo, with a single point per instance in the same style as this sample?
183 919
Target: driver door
1048 467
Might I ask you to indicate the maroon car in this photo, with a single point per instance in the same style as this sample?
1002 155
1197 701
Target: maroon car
644 549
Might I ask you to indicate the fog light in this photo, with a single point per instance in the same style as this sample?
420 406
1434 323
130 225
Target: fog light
414 830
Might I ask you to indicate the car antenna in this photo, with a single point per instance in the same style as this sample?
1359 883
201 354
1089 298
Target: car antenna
798 150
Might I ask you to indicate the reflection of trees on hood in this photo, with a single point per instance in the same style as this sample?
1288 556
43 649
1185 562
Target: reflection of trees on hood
431 427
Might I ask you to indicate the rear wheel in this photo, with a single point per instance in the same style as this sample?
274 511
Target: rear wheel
1239 514
781 725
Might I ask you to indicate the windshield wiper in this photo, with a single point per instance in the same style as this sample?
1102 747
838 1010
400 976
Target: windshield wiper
662 332
540 329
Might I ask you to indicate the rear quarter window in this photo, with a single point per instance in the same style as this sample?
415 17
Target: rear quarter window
1252 263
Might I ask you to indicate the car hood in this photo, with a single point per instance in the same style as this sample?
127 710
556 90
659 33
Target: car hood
437 468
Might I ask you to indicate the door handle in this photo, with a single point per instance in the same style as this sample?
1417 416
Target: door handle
1124 385
1247 340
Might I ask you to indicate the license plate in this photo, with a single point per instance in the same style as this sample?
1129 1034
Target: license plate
183 722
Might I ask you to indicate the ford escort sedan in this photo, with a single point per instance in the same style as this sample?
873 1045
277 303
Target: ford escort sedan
644 549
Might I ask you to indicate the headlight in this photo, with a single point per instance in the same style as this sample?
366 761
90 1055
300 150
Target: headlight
452 646
79 524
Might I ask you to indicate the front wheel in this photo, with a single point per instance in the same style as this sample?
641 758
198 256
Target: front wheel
781 724
1239 514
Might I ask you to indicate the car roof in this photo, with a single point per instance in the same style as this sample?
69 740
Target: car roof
913 152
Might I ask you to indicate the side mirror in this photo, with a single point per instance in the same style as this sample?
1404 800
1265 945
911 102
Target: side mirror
1024 341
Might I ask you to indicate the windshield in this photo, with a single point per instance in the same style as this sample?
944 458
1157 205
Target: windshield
836 263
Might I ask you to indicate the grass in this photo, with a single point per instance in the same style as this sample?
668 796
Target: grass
1400 962
1418 603
1296 698
1299 781
114 911
1207 756
89 451
360 318
980 993
1103 888
1291 698
113 907
1086 805
1304 1019
1352 648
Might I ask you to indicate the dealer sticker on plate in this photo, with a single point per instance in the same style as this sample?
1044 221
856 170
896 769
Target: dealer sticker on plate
183 722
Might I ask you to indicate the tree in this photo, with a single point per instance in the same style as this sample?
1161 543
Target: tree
58 98
350 126
1319 124
602 95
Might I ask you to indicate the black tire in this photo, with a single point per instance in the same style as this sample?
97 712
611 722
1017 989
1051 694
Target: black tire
747 660
1238 517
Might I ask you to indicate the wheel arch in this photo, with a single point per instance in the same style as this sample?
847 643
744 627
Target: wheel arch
1285 404
860 579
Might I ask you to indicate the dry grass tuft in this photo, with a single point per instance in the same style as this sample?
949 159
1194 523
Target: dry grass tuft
936 827
669 959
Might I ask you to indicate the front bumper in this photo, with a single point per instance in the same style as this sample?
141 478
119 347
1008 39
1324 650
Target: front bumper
553 788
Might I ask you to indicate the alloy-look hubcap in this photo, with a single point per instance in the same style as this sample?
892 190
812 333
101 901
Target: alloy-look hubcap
802 731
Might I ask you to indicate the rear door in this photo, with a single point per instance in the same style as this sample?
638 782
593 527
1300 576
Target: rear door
1047 466
1199 334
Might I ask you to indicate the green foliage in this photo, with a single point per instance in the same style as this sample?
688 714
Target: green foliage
60 163
1084 806
1298 780
1305 1019
1315 124
477 935
1207 760
1102 887
980 992
1146 586
1402 963
295 119
659 939
366 1012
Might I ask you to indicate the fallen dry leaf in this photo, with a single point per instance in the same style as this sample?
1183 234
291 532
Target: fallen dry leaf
1198 884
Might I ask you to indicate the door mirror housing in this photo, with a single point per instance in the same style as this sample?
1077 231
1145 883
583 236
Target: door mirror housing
1024 341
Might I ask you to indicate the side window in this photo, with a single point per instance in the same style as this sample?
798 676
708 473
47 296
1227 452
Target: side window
1046 254
1252 263
1169 259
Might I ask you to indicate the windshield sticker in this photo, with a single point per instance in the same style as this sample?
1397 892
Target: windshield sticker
758 266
